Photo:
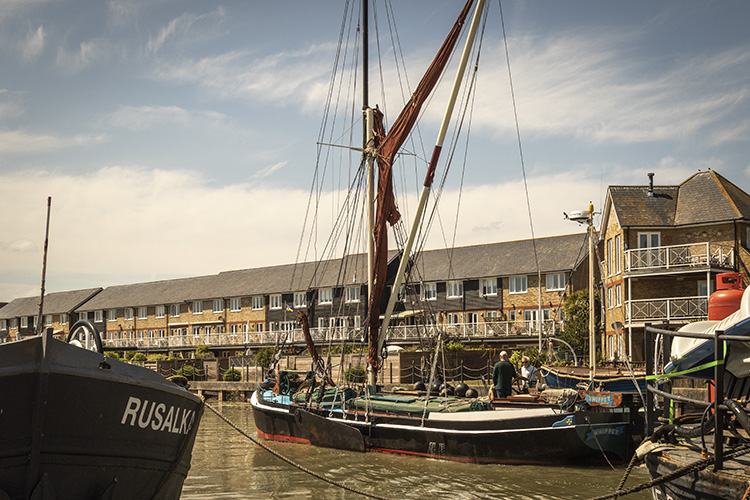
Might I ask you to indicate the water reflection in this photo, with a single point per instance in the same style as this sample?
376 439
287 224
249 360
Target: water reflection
226 465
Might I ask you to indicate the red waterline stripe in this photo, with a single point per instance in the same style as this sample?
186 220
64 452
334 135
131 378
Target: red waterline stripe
281 437
389 451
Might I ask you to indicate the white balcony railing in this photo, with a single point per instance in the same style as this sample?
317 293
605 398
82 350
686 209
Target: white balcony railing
466 331
704 255
667 309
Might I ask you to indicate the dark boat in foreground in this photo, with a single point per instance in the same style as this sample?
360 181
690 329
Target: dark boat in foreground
75 424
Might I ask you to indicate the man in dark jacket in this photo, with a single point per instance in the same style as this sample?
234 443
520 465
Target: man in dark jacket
503 374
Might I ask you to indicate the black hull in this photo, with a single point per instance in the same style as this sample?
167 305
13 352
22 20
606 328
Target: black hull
731 483
543 440
86 427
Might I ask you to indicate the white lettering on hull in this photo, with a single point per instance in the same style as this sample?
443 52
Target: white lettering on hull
151 414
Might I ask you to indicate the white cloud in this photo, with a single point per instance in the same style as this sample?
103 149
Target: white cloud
19 141
265 172
33 44
183 28
145 117
88 53
22 246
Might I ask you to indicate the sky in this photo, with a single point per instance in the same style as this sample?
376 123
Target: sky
178 138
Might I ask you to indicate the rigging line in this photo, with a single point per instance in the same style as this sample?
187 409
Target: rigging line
314 194
520 148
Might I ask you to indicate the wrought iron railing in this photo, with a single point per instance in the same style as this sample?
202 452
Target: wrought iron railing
703 255
666 309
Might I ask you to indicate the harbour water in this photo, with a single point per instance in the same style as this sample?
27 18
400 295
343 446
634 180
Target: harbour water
226 465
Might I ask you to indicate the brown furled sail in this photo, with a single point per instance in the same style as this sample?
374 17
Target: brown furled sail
388 145
317 364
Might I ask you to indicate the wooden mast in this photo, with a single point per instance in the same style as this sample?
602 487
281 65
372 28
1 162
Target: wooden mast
39 324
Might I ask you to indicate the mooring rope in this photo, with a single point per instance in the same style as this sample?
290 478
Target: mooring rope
694 467
291 462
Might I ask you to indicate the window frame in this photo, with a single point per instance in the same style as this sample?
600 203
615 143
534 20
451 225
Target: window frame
486 283
432 287
275 303
556 286
235 304
454 289
325 296
218 305
352 294
513 285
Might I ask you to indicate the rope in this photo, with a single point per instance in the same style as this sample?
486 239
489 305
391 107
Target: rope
694 467
596 438
291 462
633 461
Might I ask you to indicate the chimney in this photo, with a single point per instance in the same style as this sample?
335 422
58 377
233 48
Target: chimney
650 185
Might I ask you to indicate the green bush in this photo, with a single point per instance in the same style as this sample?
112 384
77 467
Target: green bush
453 346
202 351
264 356
113 355
157 357
138 357
187 371
232 375
355 374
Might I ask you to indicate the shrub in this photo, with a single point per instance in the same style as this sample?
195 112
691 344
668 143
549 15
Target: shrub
232 375
202 351
157 357
264 356
453 346
355 374
187 371
138 357
113 355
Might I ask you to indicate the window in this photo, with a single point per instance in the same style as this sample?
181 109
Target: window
429 291
453 319
257 303
530 314
36 320
472 318
352 294
174 310
618 295
357 322
455 289
322 322
63 319
235 304
47 320
85 315
150 334
14 323
129 314
159 313
488 287
517 284
401 293
610 258
218 305
197 307
275 301
326 296
491 316
618 253
556 281
162 332
112 315
142 312
196 330
300 300
610 302
3 324
702 288
512 315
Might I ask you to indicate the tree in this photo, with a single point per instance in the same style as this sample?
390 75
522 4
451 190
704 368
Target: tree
576 330
264 356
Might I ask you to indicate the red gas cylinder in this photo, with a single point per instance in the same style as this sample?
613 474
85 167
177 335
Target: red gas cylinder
727 297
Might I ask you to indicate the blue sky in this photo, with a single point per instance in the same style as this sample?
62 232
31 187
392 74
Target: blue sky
177 138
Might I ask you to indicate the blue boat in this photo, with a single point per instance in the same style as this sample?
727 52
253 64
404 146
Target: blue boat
606 379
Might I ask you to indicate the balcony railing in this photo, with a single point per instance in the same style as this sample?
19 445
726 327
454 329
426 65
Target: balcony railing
669 309
693 255
467 331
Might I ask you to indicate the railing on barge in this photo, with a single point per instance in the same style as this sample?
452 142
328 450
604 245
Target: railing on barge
719 338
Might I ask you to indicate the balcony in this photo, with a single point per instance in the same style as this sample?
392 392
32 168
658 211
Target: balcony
697 256
466 331
668 309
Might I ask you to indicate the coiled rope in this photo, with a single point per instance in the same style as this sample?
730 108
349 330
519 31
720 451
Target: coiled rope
291 462
694 467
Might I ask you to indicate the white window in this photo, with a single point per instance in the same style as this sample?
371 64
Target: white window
98 316
196 330
3 324
455 289
488 287
128 313
357 322
64 319
300 300
275 302
618 253
530 314
702 288
218 305
491 316
610 302
141 334
556 281
517 284
257 303
453 319
618 295
322 322
197 307
36 321
162 332
235 304
472 318
174 310
112 315
326 296
352 294
610 258
429 291
512 315
150 334
159 313
14 323
142 312
85 315
47 320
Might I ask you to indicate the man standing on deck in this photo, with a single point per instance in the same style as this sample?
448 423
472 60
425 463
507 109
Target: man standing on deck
502 376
